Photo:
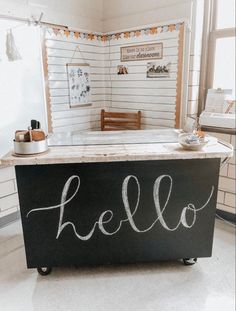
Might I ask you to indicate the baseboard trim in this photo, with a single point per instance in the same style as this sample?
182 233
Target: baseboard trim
6 220
227 216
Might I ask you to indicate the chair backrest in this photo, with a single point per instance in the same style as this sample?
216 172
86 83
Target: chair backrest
118 121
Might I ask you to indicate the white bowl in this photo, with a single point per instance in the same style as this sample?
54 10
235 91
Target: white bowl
193 147
29 148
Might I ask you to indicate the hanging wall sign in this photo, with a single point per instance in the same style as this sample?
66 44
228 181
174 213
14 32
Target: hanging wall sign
156 70
141 52
79 84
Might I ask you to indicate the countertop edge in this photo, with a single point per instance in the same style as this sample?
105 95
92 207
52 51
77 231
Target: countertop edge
8 160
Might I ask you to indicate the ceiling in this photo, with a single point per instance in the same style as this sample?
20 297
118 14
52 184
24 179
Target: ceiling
99 15
120 8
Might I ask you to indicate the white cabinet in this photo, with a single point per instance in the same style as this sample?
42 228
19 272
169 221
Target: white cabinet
8 191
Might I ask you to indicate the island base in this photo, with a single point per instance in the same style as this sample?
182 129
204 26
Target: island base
117 212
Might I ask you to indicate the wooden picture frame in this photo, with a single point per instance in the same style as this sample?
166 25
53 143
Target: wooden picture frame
179 76
46 81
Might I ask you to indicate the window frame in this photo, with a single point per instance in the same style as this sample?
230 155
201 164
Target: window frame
214 34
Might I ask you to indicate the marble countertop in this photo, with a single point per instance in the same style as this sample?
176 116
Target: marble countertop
165 148
88 138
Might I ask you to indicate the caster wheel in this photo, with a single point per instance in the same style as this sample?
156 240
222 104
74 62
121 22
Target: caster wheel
44 270
189 261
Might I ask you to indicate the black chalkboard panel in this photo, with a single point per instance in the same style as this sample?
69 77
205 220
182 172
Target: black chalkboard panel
119 212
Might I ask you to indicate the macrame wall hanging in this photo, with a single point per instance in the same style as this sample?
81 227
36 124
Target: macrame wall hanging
11 48
12 51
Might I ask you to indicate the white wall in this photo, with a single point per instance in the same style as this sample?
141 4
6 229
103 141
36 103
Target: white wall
21 99
26 101
82 14
125 14
226 200
154 97
60 50
129 14
21 81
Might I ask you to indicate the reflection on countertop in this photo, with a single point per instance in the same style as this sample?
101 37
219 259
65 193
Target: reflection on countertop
86 138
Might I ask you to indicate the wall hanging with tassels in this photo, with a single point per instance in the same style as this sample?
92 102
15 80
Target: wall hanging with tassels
11 48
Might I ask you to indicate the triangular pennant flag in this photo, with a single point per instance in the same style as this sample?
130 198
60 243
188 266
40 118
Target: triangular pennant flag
91 36
67 33
171 27
118 36
153 30
55 30
76 34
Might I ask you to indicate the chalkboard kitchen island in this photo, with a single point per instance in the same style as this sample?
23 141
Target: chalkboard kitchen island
112 198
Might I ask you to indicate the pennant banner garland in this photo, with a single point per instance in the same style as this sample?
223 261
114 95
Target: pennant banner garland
117 36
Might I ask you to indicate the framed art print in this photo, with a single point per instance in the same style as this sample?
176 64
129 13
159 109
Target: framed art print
78 84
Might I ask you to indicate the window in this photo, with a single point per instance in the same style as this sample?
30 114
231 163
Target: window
221 65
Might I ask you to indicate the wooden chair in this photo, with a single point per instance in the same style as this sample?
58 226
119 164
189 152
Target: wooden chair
118 121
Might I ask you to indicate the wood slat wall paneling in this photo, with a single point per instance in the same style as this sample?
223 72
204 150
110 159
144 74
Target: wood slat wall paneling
157 98
59 51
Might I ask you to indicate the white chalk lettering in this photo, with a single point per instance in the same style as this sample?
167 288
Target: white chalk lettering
107 215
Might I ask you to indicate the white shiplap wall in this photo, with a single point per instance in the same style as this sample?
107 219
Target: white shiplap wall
155 97
60 49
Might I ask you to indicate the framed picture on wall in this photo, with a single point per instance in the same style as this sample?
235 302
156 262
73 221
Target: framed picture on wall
122 70
141 52
157 70
79 84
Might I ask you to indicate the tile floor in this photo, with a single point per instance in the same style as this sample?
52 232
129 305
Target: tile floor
208 285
